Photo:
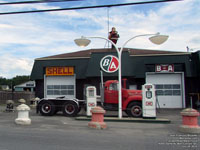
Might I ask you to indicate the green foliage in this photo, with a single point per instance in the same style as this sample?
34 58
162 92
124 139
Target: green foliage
14 81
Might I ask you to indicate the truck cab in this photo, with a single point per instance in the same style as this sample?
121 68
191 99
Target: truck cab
131 99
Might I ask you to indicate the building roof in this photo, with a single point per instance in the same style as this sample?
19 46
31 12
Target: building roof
26 84
86 62
132 52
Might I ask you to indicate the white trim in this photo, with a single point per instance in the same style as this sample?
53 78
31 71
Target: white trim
183 88
62 58
45 94
170 54
75 85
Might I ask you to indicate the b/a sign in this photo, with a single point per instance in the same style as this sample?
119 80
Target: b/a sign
164 68
109 63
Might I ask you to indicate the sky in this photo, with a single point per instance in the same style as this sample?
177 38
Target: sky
25 37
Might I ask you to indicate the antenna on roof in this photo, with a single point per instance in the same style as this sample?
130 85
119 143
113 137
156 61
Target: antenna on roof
108 23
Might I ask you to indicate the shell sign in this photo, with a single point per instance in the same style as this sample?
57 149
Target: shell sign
59 71
109 63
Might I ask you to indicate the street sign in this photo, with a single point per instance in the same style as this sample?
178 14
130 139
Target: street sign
109 63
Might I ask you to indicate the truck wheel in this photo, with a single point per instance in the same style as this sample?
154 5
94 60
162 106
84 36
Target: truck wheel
47 108
134 109
70 109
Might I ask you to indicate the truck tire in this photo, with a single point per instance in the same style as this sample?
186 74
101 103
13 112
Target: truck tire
70 109
134 109
47 108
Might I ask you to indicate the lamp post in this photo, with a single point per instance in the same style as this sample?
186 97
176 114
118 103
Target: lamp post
155 38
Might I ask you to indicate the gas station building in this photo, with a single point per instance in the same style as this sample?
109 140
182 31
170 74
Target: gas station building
176 75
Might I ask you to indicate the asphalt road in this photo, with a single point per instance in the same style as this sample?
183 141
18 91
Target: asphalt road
63 133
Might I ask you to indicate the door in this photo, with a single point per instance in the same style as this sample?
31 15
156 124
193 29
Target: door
57 86
169 89
111 94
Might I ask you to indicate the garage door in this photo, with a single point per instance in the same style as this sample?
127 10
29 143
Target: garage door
169 89
56 86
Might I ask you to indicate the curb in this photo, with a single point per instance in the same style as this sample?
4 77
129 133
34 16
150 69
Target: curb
137 120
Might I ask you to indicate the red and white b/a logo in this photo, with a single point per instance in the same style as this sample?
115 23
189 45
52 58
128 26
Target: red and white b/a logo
109 63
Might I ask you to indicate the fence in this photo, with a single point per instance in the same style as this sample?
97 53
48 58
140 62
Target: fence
15 96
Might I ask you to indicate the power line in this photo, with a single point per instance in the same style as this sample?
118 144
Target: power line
34 2
87 7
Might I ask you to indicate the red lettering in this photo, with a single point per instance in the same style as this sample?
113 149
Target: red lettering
55 70
149 103
49 71
68 68
91 104
64 70
60 70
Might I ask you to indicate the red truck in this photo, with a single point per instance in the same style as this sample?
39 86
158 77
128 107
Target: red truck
131 102
131 99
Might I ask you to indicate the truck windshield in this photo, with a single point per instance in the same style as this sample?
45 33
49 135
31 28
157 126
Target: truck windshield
113 86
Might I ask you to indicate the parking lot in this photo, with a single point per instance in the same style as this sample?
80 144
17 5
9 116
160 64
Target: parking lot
61 133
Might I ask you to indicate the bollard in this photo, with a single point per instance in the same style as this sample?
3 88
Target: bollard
97 121
190 121
34 102
23 115
22 101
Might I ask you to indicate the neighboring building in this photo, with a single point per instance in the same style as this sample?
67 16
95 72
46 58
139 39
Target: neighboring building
27 86
4 87
175 74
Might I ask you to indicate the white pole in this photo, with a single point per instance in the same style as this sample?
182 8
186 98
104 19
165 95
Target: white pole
119 53
120 86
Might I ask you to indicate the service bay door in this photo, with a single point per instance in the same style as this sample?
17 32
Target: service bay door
56 86
169 89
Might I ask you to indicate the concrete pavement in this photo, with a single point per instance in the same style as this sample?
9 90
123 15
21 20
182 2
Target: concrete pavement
64 133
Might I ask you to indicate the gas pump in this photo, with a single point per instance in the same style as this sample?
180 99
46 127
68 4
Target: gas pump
148 101
91 98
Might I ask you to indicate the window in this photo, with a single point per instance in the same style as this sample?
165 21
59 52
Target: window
56 86
49 86
176 92
91 93
159 92
113 86
63 92
176 86
49 92
167 86
168 89
168 92
60 89
159 86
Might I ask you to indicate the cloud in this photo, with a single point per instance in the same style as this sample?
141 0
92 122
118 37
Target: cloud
28 36
13 66
180 20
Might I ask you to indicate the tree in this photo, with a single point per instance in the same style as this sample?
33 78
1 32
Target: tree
14 81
